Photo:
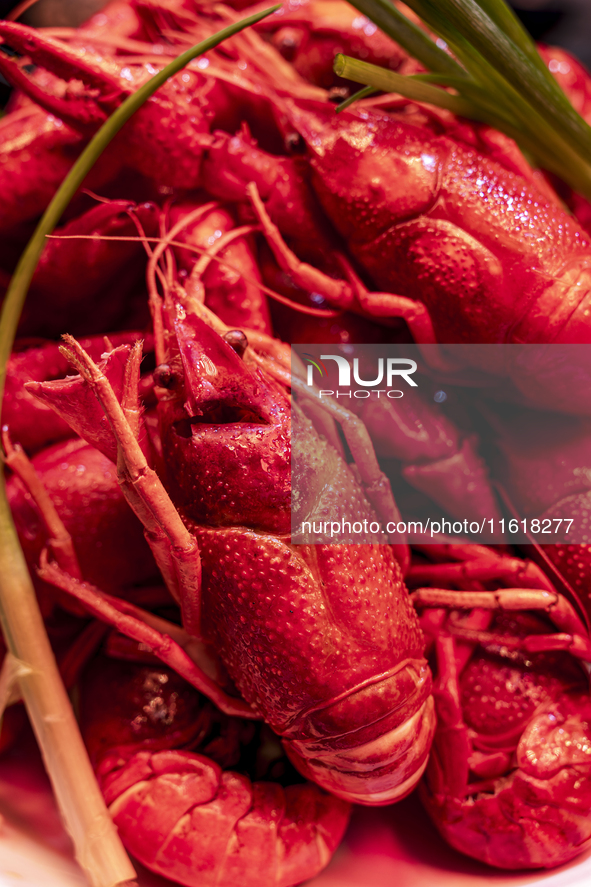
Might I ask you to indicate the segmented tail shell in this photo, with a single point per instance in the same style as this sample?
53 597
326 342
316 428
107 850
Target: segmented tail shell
185 818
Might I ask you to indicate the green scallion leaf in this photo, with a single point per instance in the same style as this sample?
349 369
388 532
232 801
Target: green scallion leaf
499 79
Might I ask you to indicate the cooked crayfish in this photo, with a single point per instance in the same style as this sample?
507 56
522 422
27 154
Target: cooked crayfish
473 236
347 691
509 777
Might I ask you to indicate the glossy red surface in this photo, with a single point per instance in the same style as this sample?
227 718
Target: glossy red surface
387 847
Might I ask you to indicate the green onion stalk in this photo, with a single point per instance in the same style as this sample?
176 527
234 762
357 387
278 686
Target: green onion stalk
494 74
97 845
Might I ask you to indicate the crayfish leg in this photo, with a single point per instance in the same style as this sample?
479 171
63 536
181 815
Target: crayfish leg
557 608
145 628
176 551
485 567
337 292
448 769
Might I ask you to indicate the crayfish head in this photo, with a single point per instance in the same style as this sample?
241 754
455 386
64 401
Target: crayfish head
370 170
225 429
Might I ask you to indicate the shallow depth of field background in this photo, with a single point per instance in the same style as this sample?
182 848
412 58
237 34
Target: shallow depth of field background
563 22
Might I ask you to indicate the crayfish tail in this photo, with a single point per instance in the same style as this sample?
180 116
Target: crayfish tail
377 764
185 818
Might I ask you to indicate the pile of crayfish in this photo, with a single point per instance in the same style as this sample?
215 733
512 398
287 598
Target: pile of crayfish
239 692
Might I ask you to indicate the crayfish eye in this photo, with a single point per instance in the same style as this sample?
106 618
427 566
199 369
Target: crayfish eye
338 94
287 43
294 143
237 340
164 376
